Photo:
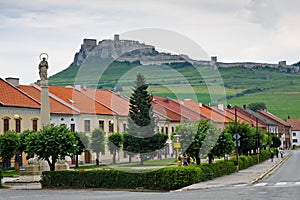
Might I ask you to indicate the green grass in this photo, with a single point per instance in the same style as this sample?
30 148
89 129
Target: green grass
10 173
132 166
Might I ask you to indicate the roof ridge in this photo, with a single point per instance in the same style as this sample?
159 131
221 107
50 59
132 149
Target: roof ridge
180 105
57 98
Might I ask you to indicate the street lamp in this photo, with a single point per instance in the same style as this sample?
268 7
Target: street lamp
177 145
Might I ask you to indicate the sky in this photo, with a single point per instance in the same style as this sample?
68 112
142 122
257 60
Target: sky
233 30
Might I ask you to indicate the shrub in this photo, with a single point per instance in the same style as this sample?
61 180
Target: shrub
1 176
163 179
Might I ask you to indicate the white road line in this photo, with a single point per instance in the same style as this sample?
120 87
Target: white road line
260 184
280 183
240 185
297 183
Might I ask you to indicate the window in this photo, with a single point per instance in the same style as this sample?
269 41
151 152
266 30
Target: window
294 134
34 124
18 125
87 125
73 127
101 124
172 129
110 126
295 140
5 125
167 130
124 127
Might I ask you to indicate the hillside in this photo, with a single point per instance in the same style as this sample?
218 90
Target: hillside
280 91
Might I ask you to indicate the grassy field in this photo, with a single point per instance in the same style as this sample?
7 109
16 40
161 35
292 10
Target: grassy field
236 86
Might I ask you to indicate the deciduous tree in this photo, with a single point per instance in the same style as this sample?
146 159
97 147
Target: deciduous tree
97 143
9 144
115 143
52 143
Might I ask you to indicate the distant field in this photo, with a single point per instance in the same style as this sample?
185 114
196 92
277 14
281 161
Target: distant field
236 86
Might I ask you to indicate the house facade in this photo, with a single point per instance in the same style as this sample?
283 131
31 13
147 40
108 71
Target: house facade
295 123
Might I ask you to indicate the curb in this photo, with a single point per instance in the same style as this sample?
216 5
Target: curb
271 170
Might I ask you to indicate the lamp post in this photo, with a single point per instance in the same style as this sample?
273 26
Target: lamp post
177 146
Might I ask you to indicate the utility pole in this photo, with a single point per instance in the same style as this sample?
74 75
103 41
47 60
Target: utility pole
258 138
236 140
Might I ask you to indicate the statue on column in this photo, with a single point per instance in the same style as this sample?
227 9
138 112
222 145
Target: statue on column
43 67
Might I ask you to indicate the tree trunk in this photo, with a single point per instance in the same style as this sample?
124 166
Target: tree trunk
76 160
51 164
114 157
198 160
97 158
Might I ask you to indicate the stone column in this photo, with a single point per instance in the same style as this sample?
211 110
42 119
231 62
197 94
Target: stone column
45 106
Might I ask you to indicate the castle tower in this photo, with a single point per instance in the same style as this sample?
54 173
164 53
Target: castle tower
116 37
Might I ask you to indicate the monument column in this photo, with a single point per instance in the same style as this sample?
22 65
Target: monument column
45 105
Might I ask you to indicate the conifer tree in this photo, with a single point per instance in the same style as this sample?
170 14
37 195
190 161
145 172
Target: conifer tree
141 137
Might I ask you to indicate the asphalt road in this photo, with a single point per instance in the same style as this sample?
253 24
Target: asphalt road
282 184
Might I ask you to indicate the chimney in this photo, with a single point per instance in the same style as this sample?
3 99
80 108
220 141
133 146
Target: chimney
200 104
245 106
78 87
13 81
221 106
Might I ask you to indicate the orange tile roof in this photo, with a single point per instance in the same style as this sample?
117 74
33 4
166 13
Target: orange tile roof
12 96
55 105
207 111
295 123
116 102
178 108
80 101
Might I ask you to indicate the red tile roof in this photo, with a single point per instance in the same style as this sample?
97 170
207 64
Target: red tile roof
56 106
244 118
116 102
207 111
295 123
273 117
80 101
164 113
12 96
178 108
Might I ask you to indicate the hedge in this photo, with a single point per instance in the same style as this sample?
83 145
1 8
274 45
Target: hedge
164 179
1 176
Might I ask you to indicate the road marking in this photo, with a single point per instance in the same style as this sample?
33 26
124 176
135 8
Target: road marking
297 183
280 183
241 185
260 184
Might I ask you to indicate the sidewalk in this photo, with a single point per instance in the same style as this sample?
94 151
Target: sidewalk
247 176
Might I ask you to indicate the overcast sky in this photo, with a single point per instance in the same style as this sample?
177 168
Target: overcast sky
233 30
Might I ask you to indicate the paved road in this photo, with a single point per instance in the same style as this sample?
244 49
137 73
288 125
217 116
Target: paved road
282 184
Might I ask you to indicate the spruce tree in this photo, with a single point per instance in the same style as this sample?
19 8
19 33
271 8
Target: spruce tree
141 138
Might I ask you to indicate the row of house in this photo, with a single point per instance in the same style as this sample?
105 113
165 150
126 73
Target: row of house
84 109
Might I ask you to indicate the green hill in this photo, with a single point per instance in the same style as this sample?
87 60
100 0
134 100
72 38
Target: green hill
279 91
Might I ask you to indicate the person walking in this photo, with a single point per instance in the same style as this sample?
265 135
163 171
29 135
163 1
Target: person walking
272 156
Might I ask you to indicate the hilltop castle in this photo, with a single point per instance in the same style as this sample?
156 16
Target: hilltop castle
131 51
